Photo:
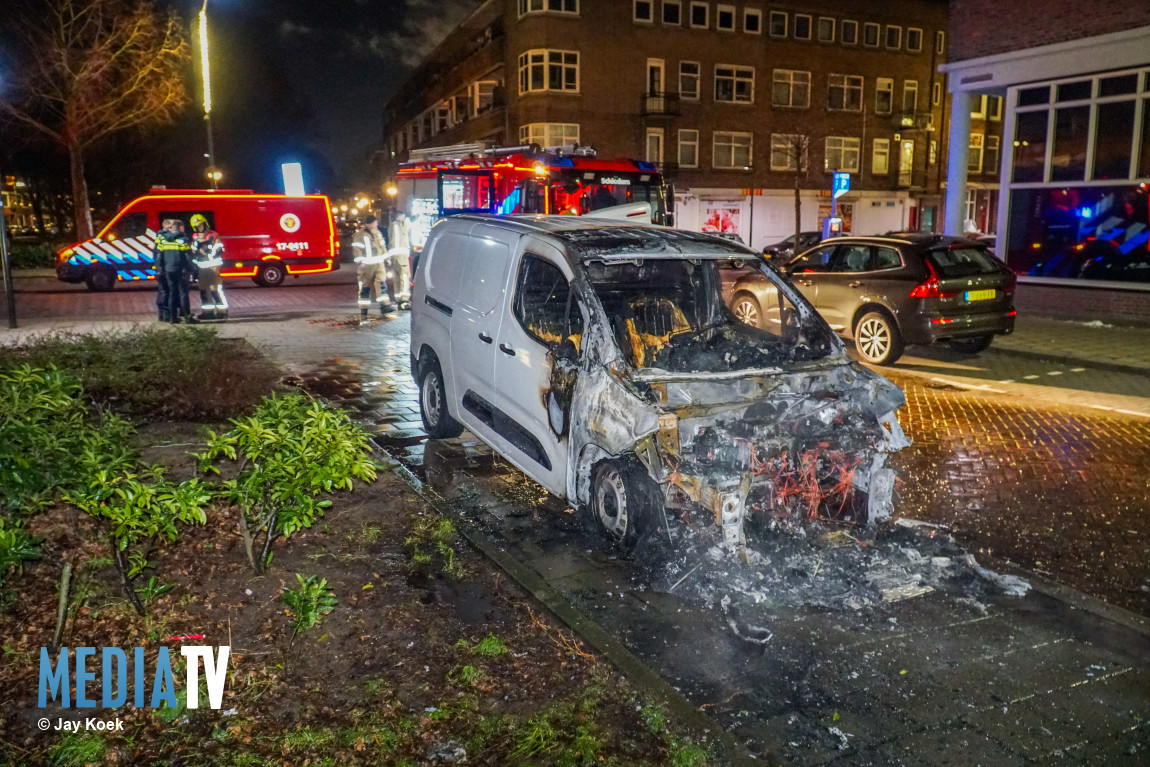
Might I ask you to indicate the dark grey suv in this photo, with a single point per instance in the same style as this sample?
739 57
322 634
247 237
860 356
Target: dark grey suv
901 288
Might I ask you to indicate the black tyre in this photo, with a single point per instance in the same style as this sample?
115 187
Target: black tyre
100 280
878 339
270 276
747 310
970 345
433 404
625 501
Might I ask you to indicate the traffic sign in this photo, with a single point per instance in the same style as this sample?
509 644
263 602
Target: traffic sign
841 184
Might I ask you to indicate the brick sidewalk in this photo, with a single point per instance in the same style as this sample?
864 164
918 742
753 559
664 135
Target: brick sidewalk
1101 344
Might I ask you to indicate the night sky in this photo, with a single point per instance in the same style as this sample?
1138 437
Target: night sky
292 80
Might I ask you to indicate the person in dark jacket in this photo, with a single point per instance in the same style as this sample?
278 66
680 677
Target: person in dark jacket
171 255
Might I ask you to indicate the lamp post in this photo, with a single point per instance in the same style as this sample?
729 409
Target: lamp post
6 265
213 174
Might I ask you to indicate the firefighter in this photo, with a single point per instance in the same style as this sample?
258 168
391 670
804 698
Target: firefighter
173 265
399 283
207 254
371 272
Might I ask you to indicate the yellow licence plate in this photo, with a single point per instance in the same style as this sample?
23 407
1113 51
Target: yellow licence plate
979 295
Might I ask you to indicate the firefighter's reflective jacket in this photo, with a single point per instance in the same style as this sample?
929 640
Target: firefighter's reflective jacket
172 252
209 248
369 247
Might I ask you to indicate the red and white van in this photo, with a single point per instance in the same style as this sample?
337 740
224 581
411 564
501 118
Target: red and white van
265 236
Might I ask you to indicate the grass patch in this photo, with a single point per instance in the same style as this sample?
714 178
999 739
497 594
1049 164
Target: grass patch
490 646
432 538
156 373
78 749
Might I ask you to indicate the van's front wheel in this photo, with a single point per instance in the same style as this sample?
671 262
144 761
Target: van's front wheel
269 276
624 500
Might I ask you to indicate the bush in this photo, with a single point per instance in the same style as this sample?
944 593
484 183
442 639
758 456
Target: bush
32 255
309 602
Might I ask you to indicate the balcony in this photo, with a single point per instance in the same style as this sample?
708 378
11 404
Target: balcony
659 104
908 121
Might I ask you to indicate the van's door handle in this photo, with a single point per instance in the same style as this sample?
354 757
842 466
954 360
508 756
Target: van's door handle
485 338
854 284
507 350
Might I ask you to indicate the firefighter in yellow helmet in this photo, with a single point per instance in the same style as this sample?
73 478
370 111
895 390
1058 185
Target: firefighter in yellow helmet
207 255
371 266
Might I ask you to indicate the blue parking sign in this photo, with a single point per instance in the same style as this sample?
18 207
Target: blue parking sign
841 184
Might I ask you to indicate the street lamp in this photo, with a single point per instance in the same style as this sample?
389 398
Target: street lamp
213 174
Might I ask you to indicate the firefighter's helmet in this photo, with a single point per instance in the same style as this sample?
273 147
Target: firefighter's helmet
199 218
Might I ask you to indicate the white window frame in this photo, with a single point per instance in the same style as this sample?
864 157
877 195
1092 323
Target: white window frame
773 16
691 19
868 26
788 76
785 143
653 132
977 148
842 31
909 88
883 85
698 81
886 37
819 29
810 26
844 147
729 139
719 9
979 112
940 42
936 94
993 150
995 106
688 137
547 64
663 13
920 36
753 13
880 149
635 17
549 134
475 93
527 7
848 84
738 74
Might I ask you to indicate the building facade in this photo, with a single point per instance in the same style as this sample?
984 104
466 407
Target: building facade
738 102
1074 170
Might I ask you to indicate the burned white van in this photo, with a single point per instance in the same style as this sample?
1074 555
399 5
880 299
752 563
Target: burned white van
602 360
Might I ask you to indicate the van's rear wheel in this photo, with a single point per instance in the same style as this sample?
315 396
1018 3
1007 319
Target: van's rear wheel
100 279
433 404
624 500
269 276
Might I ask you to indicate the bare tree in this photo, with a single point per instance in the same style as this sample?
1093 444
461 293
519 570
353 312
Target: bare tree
93 68
791 152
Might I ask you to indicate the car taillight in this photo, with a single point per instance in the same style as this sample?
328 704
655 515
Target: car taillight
930 288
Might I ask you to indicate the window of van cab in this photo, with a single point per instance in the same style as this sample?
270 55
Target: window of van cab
186 217
129 225
544 304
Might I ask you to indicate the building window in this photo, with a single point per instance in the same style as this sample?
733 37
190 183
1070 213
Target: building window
932 153
893 37
871 35
644 11
880 157
654 146
700 15
482 94
731 150
753 21
725 18
974 159
995 107
845 93
910 96
992 146
936 94
553 6
734 84
883 95
850 32
940 43
546 70
672 12
979 111
689 80
842 154
802 26
826 29
688 149
789 151
549 134
914 40
791 88
778 20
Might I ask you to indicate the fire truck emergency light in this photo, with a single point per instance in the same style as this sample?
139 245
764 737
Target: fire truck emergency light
293 179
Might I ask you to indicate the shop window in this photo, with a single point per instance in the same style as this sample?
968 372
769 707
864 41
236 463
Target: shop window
734 84
914 40
844 93
644 11
880 157
672 12
689 80
1029 147
850 32
791 88
884 95
842 154
700 15
1144 158
1028 97
725 18
1118 86
1068 157
732 150
893 37
778 21
547 70
688 148
1074 91
789 151
753 21
802 26
826 29
871 35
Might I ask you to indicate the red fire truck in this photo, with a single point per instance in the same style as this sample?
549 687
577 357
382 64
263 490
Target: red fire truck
470 178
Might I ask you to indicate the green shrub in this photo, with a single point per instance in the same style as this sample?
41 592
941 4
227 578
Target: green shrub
32 255
289 451
309 602
16 548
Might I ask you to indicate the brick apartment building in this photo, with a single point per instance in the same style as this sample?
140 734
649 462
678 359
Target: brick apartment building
1074 209
726 97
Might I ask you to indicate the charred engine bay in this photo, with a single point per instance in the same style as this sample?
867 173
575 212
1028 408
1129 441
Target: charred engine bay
733 346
